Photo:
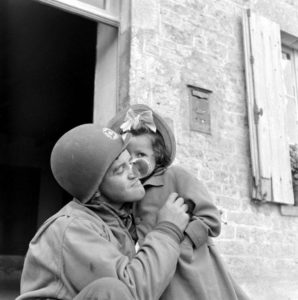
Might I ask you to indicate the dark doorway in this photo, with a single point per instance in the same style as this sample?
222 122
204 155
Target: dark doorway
47 69
19 194
47 63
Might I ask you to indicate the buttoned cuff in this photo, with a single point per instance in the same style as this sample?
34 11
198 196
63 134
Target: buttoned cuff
197 232
171 230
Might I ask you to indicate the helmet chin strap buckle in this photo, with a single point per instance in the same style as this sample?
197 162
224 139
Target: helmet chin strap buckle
97 194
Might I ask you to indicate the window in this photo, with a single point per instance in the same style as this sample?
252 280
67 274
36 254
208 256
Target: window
271 108
289 59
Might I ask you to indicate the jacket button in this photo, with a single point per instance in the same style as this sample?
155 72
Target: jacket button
137 220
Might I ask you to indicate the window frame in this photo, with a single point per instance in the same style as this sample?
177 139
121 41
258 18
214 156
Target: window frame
109 15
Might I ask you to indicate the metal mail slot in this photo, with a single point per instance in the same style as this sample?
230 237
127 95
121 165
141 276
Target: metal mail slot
200 109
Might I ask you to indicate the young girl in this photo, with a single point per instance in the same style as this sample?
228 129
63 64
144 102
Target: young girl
200 272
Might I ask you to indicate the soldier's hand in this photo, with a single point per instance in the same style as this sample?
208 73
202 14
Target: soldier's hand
174 211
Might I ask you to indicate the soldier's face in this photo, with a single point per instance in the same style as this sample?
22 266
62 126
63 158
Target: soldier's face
121 184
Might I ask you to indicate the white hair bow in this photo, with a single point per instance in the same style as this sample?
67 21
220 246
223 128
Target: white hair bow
134 121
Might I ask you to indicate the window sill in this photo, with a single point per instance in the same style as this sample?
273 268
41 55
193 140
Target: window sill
289 210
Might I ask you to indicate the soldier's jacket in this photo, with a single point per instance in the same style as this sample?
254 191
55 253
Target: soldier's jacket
79 245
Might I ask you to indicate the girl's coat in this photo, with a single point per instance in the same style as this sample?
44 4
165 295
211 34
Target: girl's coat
200 273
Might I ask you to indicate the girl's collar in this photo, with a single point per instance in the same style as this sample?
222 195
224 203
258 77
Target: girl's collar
156 179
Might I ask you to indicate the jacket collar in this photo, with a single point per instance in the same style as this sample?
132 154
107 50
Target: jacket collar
100 204
112 216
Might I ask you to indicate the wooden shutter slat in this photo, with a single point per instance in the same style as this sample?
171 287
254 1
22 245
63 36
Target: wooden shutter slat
250 104
261 97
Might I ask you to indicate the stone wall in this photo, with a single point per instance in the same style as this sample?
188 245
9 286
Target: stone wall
200 43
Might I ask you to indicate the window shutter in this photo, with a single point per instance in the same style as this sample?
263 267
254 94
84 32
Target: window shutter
266 110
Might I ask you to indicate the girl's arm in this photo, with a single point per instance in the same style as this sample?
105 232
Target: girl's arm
206 218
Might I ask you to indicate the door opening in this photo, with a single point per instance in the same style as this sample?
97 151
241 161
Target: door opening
47 64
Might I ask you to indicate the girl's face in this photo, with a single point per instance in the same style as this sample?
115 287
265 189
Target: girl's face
140 146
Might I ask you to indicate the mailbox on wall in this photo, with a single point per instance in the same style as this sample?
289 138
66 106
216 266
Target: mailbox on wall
199 109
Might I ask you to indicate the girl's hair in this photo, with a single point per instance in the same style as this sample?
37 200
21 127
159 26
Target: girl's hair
162 157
